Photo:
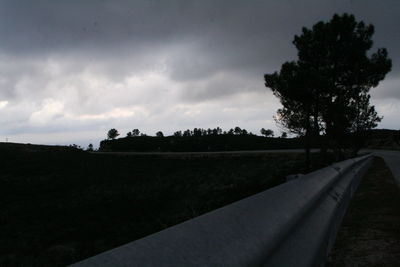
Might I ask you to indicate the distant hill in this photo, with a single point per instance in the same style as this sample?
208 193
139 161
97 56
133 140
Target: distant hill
17 147
383 139
199 143
377 138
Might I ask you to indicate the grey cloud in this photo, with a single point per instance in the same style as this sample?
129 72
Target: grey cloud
388 89
220 25
221 85
251 36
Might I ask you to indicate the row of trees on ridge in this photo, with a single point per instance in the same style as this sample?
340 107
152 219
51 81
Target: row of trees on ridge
113 133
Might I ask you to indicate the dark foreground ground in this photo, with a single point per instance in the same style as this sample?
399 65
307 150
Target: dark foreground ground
58 207
370 233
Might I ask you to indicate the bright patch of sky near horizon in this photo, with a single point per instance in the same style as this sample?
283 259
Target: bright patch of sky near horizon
71 70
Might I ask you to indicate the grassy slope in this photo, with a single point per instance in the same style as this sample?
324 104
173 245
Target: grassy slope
60 207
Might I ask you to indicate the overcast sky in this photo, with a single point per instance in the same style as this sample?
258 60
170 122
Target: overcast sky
71 70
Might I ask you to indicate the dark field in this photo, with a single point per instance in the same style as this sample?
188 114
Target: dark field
59 207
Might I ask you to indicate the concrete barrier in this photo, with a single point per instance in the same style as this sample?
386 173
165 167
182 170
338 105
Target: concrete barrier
294 224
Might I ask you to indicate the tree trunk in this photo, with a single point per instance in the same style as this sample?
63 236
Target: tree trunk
324 146
308 158
307 147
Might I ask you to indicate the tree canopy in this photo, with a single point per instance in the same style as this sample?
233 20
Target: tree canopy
112 133
267 133
327 88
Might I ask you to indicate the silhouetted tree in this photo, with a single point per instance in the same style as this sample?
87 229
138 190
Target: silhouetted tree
284 135
267 133
135 132
112 133
217 131
159 134
128 134
237 130
327 88
196 132
90 147
187 133
76 146
178 133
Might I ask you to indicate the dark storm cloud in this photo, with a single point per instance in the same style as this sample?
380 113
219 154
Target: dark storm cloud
246 35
